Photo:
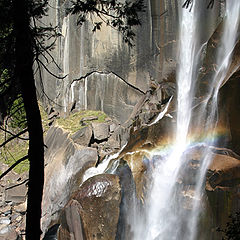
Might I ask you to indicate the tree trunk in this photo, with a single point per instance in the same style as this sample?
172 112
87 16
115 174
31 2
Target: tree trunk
24 74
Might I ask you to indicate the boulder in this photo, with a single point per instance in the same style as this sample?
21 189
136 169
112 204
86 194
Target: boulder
83 136
16 193
55 138
112 143
52 233
100 131
93 210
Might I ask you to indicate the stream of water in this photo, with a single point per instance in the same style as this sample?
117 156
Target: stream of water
172 209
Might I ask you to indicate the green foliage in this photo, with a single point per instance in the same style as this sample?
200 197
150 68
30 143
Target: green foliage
232 230
4 80
17 154
13 151
17 115
73 122
120 15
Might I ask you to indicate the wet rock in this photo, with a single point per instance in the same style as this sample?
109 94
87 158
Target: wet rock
229 105
138 169
193 157
100 131
128 200
95 207
83 136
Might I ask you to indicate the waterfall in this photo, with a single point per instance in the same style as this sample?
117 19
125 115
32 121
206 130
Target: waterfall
172 209
224 56
165 218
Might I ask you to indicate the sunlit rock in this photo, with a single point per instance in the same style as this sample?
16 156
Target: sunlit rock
100 131
66 163
83 136
223 173
93 210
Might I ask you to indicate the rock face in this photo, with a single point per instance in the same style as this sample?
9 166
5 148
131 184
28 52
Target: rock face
101 72
66 162
223 173
222 187
230 107
93 211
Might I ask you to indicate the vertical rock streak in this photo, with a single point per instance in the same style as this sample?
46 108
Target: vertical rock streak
65 33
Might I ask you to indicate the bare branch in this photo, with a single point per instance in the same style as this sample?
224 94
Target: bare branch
13 136
13 166
50 71
19 184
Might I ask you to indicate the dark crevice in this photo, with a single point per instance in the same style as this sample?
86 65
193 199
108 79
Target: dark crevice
73 107
93 141
52 233
106 73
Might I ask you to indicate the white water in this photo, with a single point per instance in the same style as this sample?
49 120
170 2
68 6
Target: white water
166 218
102 166
164 208
224 57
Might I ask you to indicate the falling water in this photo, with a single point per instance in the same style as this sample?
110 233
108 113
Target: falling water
166 216
165 212
224 57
